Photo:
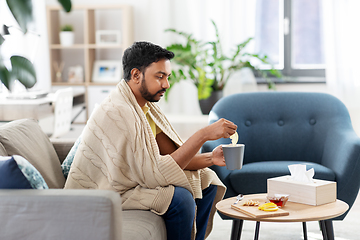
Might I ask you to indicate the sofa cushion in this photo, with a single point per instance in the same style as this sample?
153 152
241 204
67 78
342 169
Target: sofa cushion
25 138
11 177
65 166
2 150
143 225
31 174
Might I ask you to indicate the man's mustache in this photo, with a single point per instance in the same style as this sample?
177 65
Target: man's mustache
163 90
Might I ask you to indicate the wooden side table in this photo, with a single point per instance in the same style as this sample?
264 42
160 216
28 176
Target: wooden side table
297 213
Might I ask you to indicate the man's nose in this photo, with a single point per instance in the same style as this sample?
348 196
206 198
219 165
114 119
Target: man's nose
166 84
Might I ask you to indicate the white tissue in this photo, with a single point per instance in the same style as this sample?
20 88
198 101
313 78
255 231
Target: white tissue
299 174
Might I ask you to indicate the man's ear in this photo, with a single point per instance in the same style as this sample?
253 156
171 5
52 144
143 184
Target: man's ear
135 75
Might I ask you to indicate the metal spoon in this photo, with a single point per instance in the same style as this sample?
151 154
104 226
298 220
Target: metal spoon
239 198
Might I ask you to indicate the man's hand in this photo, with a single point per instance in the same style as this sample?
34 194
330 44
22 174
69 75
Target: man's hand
220 129
186 153
218 156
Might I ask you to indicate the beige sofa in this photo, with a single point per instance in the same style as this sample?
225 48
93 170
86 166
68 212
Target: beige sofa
57 213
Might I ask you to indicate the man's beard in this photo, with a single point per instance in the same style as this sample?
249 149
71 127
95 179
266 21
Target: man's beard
146 94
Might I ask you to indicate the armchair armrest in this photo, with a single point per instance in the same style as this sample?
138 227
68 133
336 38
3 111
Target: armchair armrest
342 155
62 146
60 214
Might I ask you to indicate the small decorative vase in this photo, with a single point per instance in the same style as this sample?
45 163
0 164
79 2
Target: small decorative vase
207 104
66 38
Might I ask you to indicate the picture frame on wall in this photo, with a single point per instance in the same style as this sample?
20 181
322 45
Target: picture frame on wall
106 71
108 37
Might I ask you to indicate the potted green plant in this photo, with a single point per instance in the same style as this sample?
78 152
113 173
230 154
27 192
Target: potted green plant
21 68
205 64
66 35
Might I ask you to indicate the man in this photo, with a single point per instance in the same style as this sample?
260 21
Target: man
129 146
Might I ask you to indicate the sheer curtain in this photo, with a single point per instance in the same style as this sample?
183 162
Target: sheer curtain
342 51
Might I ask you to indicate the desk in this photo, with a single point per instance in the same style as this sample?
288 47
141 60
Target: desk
13 109
297 213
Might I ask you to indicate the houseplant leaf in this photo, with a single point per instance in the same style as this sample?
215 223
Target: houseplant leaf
183 54
22 12
204 85
5 75
23 70
1 39
240 47
66 4
217 44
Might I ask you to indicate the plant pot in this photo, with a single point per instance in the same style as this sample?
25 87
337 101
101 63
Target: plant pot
207 104
66 38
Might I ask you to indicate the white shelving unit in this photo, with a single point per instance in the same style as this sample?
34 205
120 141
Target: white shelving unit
87 20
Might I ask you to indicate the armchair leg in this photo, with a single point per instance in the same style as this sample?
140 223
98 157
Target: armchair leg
236 229
327 229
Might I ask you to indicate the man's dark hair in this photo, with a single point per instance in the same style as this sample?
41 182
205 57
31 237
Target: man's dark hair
140 55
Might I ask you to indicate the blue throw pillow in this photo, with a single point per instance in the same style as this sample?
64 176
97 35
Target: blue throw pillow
16 172
65 166
11 176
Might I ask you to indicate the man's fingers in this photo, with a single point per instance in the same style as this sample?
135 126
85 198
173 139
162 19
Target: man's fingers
228 127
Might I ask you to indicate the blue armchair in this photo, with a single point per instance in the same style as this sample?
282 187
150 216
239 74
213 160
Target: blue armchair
283 128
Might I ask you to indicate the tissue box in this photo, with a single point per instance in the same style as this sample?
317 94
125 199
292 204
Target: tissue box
317 193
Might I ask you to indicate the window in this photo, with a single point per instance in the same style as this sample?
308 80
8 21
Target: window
289 32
